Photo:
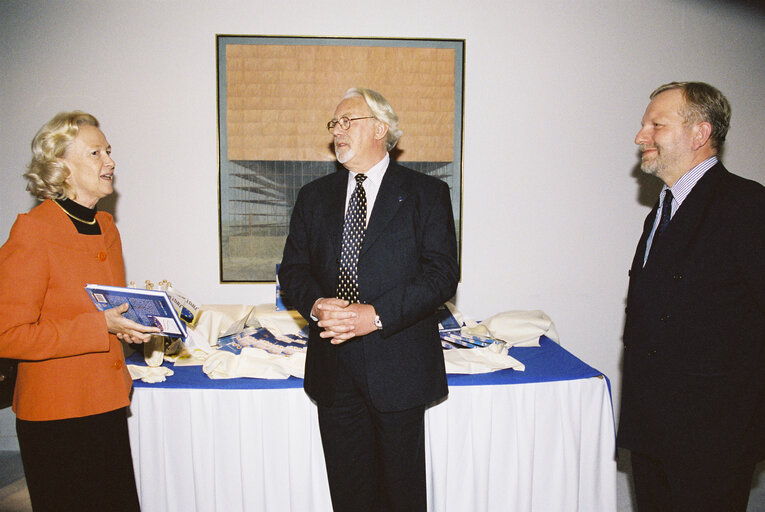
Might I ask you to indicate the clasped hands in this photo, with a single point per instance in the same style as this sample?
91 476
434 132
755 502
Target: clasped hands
341 320
126 329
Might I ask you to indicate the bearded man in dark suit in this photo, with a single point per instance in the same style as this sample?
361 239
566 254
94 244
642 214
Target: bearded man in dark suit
371 254
693 396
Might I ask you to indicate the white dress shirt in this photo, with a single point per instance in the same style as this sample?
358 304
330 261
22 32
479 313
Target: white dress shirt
371 184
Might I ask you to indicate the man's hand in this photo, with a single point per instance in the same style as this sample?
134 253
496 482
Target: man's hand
364 319
342 321
324 308
333 317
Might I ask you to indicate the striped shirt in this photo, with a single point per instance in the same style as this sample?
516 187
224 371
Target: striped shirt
680 191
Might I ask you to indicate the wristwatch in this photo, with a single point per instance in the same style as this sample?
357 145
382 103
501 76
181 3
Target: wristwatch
378 322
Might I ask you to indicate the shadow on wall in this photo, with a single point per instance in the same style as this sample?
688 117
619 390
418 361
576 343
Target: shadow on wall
648 187
754 5
109 204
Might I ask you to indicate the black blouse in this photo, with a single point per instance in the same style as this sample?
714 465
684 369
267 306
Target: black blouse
81 216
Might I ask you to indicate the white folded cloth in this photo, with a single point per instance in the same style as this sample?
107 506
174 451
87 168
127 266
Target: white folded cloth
154 351
198 341
480 360
515 328
148 373
214 320
189 357
278 322
218 320
512 328
253 362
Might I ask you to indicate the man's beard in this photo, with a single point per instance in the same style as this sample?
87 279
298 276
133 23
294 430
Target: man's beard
345 155
652 166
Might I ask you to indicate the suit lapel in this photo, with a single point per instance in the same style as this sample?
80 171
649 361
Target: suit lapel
335 212
682 230
391 195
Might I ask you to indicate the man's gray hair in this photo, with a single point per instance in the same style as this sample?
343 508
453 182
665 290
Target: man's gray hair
703 103
382 111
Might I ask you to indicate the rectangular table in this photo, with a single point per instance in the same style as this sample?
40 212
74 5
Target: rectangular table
540 440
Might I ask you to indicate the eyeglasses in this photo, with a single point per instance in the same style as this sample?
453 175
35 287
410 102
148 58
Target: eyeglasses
344 122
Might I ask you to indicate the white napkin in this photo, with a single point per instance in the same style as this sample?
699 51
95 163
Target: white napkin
148 373
154 351
278 322
516 328
197 341
214 320
188 357
253 362
480 360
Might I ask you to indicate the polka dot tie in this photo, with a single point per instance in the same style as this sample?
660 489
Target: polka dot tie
353 236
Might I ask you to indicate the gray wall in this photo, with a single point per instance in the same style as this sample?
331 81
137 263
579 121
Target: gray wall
554 92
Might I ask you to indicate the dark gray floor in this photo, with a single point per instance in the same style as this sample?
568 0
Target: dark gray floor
13 497
10 468
13 487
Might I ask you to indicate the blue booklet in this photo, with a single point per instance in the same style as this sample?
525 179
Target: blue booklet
446 321
454 339
262 338
148 307
282 302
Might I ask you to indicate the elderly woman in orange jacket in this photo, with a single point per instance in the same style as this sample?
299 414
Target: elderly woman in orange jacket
72 387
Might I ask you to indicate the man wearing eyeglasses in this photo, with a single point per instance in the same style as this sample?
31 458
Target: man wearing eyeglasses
367 261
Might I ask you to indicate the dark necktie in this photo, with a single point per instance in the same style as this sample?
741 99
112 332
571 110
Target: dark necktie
666 212
354 228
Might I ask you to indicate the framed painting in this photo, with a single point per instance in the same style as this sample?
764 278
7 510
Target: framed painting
275 96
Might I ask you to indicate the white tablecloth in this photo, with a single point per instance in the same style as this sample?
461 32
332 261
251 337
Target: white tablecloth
546 447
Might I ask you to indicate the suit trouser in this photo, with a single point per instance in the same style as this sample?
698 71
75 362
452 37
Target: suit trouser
375 460
79 464
690 486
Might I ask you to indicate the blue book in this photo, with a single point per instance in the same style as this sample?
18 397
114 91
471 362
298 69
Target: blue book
446 321
152 308
282 302
262 338
453 339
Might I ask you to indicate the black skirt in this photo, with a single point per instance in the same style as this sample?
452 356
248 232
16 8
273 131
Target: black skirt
81 464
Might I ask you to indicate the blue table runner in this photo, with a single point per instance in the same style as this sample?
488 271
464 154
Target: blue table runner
546 363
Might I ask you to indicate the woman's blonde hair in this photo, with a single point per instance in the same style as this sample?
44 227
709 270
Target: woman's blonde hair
46 175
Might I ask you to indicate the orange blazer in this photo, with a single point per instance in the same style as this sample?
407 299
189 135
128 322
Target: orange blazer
70 365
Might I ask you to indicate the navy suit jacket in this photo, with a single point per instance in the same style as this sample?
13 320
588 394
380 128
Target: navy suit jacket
407 268
694 337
